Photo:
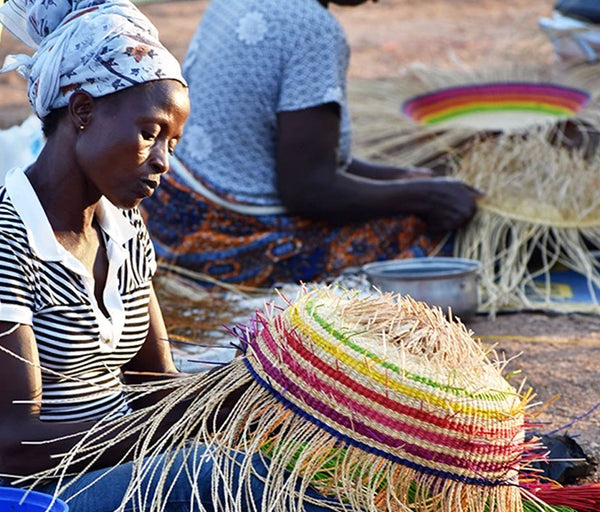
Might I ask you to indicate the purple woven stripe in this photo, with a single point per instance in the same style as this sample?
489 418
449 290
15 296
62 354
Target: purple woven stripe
354 423
503 88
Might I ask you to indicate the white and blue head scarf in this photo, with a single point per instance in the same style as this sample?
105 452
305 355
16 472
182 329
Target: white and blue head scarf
99 46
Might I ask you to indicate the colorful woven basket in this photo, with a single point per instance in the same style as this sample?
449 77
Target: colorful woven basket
371 390
496 105
380 403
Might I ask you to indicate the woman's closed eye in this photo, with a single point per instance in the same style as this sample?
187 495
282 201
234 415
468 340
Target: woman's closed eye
147 135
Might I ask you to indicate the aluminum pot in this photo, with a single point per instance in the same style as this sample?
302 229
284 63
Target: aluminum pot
444 282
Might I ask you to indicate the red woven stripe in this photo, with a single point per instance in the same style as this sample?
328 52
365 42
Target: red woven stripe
472 447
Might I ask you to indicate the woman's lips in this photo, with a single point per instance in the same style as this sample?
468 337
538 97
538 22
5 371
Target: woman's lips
148 186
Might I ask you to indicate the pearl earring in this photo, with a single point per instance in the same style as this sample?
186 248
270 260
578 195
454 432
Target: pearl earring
81 127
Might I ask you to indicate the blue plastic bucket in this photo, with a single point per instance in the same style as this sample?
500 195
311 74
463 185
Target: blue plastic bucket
10 499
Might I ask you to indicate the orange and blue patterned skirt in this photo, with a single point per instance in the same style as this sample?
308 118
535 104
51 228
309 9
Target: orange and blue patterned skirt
192 232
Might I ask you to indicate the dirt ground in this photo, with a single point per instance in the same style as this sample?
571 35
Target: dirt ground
385 37
559 354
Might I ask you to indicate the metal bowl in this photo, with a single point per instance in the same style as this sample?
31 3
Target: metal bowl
444 282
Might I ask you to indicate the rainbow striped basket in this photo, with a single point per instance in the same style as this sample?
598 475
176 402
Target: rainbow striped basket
496 105
378 403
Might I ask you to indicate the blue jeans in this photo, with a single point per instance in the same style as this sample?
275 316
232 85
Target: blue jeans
106 494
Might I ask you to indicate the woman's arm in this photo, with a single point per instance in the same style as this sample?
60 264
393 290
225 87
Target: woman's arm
21 391
20 395
311 184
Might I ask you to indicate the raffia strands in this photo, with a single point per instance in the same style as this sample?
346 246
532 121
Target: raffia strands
540 200
382 132
583 498
379 403
408 423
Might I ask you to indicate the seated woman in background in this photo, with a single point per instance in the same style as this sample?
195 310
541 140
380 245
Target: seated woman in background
78 314
264 188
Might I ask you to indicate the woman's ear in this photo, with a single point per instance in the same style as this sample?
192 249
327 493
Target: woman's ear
81 107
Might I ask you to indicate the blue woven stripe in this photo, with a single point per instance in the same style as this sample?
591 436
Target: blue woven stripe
369 449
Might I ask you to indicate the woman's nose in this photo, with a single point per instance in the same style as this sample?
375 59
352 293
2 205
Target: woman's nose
159 158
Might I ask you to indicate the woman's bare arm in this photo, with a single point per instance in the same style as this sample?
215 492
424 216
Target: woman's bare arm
21 391
311 184
20 395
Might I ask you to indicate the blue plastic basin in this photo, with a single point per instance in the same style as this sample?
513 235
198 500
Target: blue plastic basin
20 500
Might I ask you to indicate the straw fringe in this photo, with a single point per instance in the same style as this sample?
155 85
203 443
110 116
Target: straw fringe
541 204
359 478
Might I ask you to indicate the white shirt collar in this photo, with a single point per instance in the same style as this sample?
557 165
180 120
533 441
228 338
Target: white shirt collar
44 243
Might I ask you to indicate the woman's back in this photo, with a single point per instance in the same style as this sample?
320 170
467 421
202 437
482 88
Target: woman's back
248 61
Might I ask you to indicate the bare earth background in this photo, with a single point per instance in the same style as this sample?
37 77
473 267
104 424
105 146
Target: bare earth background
560 354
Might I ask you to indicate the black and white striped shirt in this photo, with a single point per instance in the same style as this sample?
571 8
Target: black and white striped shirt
43 285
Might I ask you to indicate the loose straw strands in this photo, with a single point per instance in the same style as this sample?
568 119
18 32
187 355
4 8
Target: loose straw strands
530 179
349 394
541 209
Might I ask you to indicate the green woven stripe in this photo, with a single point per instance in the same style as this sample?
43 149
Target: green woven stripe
553 111
328 326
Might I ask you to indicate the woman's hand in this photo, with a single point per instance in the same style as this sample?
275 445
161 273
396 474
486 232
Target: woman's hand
450 203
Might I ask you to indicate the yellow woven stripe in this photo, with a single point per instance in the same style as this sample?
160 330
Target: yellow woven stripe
510 448
372 373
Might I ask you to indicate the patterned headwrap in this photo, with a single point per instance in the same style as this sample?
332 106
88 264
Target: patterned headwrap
100 46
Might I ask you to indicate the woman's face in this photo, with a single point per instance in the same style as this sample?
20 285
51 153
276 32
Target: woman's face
124 146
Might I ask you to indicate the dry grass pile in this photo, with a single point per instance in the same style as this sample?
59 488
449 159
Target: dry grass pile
541 210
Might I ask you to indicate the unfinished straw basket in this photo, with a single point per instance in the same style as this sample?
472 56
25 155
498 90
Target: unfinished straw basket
382 404
529 139
541 209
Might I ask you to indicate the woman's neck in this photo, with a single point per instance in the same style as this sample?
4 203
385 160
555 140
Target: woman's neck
62 190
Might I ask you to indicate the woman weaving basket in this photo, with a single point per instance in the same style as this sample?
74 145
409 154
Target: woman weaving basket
263 187
78 315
